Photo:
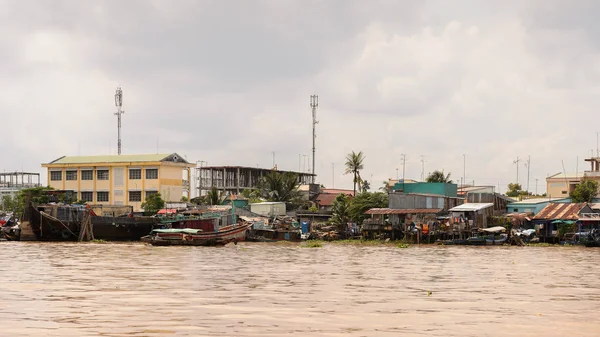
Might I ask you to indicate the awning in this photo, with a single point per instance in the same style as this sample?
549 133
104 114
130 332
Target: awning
494 229
167 211
471 207
567 222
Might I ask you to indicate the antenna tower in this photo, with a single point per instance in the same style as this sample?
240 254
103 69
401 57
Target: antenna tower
314 103
119 104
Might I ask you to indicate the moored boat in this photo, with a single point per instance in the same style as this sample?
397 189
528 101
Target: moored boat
197 237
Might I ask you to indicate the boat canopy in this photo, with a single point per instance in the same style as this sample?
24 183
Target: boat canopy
494 229
178 230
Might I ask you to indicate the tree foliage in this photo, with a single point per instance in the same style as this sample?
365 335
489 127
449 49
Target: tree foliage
153 203
438 176
253 195
385 187
585 192
9 203
366 186
215 197
282 187
340 210
354 163
364 201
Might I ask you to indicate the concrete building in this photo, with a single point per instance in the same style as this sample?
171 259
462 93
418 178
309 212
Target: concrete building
235 179
121 179
561 185
534 205
269 209
13 182
448 190
399 200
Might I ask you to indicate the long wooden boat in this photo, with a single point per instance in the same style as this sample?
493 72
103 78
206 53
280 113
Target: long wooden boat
197 237
63 223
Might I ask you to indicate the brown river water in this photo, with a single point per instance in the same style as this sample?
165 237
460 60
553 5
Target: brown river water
265 289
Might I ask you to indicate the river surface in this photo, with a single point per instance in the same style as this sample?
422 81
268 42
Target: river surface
265 289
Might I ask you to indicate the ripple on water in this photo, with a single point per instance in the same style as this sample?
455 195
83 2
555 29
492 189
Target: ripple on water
131 289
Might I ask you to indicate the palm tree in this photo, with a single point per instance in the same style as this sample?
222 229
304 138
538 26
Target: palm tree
214 197
276 186
354 163
438 176
385 186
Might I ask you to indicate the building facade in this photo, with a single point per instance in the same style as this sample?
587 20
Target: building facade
121 179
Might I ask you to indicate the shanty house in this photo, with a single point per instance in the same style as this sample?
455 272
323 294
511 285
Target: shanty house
534 205
473 214
548 220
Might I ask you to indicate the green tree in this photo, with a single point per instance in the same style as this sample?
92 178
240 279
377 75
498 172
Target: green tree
365 201
253 195
340 210
438 176
366 186
184 199
354 163
586 191
514 190
283 187
215 197
313 209
385 187
9 203
153 203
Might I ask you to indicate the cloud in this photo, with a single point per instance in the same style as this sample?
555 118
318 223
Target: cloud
229 83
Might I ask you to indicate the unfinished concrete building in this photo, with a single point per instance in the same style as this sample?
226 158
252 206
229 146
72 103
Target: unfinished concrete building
12 182
235 179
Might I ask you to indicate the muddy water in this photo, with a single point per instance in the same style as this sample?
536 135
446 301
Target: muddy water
281 289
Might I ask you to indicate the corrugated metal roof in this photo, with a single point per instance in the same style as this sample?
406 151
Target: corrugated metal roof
403 211
535 201
560 211
471 207
124 158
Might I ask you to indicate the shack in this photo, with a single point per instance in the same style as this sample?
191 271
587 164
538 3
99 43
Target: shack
269 209
394 223
550 219
474 215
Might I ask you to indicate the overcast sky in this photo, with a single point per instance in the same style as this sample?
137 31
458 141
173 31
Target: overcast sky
228 82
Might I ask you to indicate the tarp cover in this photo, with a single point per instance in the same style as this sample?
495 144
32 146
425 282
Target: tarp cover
494 229
178 230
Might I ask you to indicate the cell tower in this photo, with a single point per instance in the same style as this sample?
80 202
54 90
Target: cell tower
314 103
119 104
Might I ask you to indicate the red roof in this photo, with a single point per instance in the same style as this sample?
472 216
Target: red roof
326 199
560 211
337 191
403 211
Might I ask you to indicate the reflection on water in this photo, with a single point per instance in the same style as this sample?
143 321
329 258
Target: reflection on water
60 289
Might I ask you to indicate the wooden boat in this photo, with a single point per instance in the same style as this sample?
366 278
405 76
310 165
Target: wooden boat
63 223
593 239
197 237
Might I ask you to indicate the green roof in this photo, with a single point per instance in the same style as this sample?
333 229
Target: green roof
124 158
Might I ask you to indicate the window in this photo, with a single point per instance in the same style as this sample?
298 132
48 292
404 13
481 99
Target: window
151 173
55 175
149 193
102 174
564 192
71 175
135 196
515 209
135 174
87 175
102 196
87 196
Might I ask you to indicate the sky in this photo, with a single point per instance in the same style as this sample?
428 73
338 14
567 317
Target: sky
460 86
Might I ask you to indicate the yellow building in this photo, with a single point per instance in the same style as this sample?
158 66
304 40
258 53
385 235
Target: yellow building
121 179
561 184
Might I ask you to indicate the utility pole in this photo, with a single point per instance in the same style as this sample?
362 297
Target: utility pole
314 103
422 168
536 181
517 162
597 155
397 174
332 175
119 104
273 152
403 169
465 169
528 165
299 160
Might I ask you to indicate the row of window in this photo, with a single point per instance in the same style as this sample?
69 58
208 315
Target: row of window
134 174
134 196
